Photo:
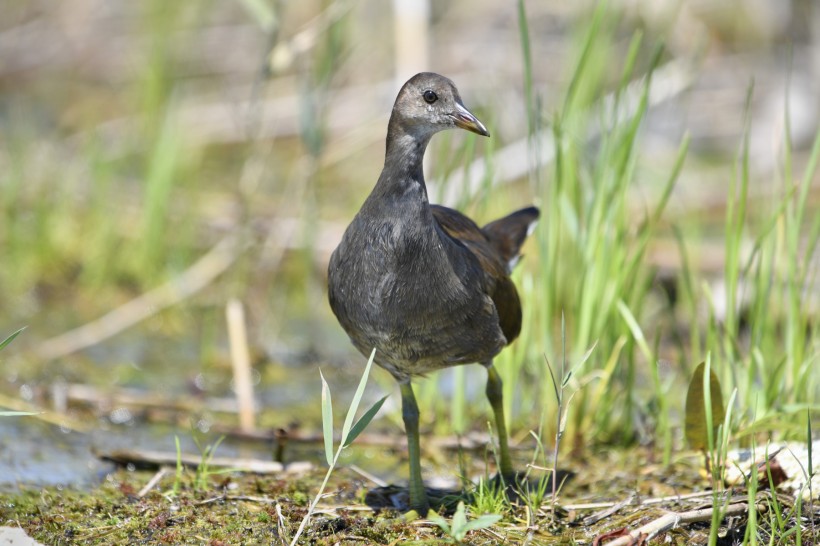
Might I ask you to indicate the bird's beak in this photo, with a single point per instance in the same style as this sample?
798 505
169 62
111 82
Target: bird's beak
466 120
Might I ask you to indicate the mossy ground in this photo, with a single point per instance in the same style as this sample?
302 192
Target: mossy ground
239 509
249 509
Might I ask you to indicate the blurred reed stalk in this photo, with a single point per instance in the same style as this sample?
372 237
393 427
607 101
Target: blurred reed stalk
241 362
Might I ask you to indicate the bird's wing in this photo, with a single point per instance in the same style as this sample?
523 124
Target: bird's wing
498 284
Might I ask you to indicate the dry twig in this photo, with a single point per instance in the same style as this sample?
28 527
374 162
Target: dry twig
671 520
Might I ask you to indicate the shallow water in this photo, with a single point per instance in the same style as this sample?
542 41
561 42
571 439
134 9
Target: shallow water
34 453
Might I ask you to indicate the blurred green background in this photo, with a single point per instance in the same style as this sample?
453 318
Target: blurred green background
158 158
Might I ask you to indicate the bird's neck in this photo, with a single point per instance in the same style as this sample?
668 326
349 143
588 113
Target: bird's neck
403 163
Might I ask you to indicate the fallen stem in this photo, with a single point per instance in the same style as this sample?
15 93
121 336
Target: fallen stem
674 519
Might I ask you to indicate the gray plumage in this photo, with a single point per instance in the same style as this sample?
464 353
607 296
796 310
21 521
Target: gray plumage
422 283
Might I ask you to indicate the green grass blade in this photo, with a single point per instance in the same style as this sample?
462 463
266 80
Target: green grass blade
160 178
459 521
809 442
18 413
581 64
583 359
524 33
481 522
629 65
327 420
11 338
677 167
458 403
635 329
179 468
362 423
438 520
354 404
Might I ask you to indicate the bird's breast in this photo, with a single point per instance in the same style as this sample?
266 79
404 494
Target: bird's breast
399 288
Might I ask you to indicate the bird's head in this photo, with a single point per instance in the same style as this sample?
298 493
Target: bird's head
429 103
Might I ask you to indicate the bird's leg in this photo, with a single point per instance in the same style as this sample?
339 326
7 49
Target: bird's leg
496 397
410 413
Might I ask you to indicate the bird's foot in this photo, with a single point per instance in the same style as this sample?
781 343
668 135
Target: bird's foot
521 487
394 497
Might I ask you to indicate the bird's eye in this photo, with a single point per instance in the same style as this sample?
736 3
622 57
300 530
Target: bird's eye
430 96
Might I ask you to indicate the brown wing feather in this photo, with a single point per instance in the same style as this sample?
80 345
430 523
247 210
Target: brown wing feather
507 234
500 287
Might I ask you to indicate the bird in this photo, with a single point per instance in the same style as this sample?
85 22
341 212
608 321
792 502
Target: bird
421 283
